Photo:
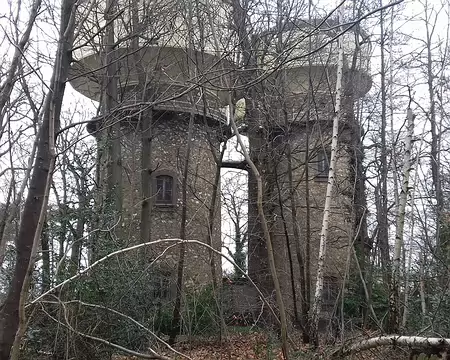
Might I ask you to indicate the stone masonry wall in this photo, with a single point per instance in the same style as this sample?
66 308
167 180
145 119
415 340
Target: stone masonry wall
169 144
340 222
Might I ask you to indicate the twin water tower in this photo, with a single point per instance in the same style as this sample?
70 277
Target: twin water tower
174 60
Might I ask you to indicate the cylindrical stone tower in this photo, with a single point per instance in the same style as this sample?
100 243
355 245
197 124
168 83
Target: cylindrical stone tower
298 119
171 91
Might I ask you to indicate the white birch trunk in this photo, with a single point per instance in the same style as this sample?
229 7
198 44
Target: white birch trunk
411 237
399 231
317 300
396 340
404 193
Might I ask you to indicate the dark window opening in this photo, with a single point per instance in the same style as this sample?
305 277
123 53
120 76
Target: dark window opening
323 164
164 190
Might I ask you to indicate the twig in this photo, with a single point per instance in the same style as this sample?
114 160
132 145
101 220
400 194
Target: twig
138 246
109 343
125 316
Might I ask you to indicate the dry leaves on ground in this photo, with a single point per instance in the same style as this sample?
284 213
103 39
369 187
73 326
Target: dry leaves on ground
236 347
253 346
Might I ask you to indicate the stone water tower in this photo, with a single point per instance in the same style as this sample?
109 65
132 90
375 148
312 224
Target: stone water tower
165 68
300 111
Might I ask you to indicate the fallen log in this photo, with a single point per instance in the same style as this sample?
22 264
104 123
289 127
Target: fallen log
438 346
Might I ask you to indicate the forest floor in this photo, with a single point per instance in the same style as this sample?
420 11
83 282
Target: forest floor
238 346
258 345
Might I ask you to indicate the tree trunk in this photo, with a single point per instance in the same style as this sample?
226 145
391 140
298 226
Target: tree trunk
46 276
382 199
395 340
258 268
146 122
399 232
317 301
391 111
362 242
77 243
112 120
5 219
7 86
307 234
305 296
15 206
270 253
435 135
291 262
37 196
423 301
176 315
213 209
146 169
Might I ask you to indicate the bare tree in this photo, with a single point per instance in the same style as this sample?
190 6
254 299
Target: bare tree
399 233
234 201
176 316
12 312
7 86
316 305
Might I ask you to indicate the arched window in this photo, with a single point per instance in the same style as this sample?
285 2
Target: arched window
323 164
164 190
